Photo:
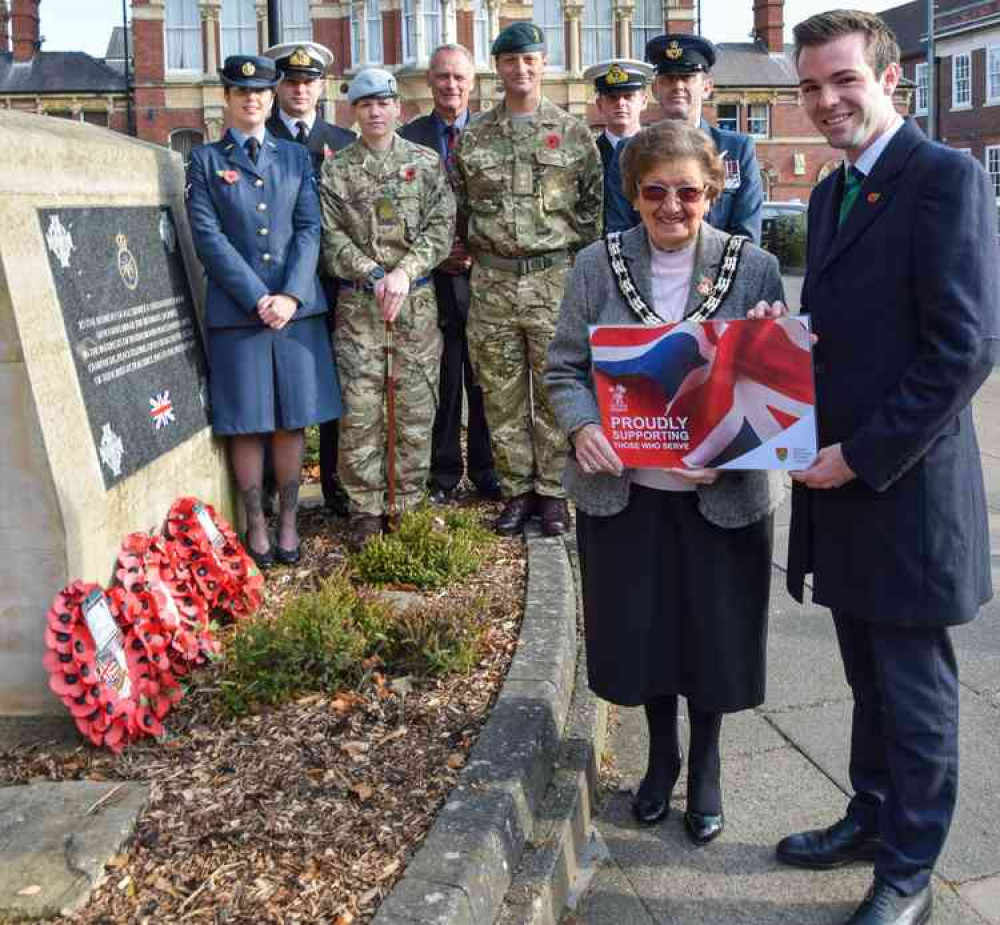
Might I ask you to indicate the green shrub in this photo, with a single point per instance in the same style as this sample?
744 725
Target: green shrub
316 643
430 549
434 639
311 454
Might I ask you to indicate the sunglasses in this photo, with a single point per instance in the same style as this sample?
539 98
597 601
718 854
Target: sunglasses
653 192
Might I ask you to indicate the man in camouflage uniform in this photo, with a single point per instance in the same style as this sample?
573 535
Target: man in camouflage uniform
388 219
530 177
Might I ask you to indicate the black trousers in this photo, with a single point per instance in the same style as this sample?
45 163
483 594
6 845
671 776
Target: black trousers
457 377
904 742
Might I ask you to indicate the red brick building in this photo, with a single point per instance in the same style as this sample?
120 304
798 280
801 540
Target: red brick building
966 73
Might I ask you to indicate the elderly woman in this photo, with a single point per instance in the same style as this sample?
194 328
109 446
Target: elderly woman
675 562
254 212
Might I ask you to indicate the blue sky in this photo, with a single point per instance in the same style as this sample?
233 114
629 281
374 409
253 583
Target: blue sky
85 25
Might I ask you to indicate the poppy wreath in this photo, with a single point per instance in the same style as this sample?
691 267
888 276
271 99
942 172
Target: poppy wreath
152 566
220 568
105 715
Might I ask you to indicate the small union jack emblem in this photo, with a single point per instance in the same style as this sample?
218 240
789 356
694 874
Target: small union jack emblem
161 410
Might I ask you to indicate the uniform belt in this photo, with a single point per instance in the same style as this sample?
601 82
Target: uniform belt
354 286
521 266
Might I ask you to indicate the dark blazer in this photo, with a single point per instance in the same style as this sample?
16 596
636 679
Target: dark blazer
905 300
618 212
324 139
452 291
737 210
257 235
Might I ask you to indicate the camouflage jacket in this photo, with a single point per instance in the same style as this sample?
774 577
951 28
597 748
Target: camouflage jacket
393 210
529 188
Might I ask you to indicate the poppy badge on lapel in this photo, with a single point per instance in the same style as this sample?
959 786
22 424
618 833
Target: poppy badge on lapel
228 176
873 198
553 141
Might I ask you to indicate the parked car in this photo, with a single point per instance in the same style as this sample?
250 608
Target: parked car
783 233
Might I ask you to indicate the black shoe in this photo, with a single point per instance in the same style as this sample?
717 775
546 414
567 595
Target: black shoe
515 514
489 489
287 556
442 496
703 827
335 499
885 905
844 842
554 515
262 560
651 805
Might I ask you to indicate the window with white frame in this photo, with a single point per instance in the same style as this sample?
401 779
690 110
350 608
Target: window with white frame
183 35
961 81
727 116
758 122
598 36
366 18
647 23
548 17
481 33
433 26
239 27
992 159
922 88
409 30
296 24
993 74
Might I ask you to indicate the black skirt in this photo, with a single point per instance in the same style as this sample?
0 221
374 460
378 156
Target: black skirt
674 604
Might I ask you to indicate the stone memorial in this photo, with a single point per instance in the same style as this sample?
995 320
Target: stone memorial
103 388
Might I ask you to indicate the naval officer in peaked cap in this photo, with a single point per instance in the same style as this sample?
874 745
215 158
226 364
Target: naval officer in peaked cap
301 67
683 64
620 85
253 207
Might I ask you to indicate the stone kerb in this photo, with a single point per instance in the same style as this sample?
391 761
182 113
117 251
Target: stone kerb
63 509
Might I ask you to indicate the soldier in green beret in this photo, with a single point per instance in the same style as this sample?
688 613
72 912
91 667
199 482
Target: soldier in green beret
529 176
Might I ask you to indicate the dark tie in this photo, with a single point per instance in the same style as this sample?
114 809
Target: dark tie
852 186
450 144
302 135
253 149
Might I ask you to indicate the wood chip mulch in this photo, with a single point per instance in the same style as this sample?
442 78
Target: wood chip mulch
306 813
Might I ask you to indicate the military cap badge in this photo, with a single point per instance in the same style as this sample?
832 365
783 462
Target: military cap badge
299 58
536 34
674 50
248 69
615 76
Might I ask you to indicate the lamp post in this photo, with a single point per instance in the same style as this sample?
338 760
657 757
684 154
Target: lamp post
129 112
273 22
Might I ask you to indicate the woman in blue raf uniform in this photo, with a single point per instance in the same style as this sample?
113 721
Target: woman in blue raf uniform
254 212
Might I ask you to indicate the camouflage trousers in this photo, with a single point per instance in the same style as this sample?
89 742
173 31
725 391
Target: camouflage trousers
359 345
511 322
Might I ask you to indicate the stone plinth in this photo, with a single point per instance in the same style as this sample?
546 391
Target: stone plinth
102 373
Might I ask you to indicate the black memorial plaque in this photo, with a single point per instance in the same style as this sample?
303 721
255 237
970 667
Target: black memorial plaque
132 329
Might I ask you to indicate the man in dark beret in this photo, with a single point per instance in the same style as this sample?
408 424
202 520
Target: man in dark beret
301 66
620 85
683 63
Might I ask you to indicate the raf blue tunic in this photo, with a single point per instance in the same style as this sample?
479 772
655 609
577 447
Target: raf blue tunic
256 230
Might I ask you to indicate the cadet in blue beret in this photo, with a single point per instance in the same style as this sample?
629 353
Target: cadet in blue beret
621 99
253 207
683 63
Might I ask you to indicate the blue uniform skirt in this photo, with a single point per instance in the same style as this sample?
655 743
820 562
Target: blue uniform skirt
264 380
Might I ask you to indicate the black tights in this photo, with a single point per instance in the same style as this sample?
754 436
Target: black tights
704 791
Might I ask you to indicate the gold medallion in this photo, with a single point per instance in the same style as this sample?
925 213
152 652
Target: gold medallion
248 69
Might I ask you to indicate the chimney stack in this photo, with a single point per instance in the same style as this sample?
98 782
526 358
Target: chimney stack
4 22
769 24
24 28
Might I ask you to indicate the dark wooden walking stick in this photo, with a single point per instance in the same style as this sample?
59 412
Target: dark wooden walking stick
390 417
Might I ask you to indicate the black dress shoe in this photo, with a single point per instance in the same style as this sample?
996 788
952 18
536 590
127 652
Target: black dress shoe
515 514
652 804
884 905
842 843
287 556
703 827
554 516
262 560
442 496
489 489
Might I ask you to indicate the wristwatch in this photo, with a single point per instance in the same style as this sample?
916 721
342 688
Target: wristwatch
374 276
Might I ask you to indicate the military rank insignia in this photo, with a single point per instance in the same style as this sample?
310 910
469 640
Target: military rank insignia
385 211
615 76
674 50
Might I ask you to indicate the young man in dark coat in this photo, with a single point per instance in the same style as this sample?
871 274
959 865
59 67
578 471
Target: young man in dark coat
450 75
301 66
890 518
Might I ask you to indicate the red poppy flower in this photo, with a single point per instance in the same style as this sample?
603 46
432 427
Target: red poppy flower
553 141
409 173
229 176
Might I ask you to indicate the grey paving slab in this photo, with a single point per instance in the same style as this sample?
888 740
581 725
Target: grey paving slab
973 849
984 897
984 409
55 839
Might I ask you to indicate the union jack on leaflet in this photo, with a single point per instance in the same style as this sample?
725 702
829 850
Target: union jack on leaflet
161 409
711 392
